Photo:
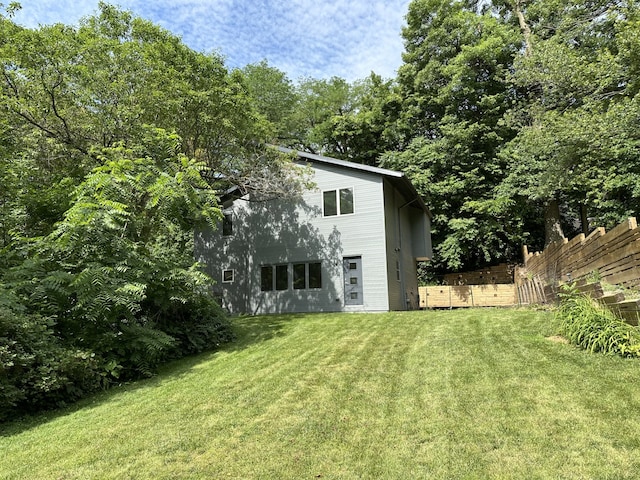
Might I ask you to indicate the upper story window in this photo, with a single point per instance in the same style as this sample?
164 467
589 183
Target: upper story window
337 202
227 225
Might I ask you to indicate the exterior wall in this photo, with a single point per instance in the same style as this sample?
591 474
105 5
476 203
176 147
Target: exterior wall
392 240
421 235
282 232
407 239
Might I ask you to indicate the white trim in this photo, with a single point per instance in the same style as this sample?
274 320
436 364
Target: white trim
233 275
337 191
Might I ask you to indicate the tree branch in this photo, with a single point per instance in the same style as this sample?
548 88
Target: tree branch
524 27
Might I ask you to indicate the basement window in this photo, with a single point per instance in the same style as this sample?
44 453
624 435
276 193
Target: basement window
228 276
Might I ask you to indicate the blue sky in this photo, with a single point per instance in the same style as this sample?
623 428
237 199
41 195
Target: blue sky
303 38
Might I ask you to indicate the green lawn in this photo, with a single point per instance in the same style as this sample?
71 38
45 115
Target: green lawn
433 394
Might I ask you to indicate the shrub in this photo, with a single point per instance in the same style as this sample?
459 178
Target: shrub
36 370
113 290
595 328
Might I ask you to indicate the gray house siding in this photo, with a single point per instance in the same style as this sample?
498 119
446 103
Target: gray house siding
404 220
284 232
367 258
392 240
360 234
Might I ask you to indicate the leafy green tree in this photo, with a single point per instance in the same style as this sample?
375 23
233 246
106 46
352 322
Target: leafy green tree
574 148
37 370
117 273
454 83
355 122
274 96
362 133
319 102
115 139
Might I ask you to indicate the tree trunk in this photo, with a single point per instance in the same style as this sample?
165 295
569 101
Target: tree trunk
524 27
584 219
552 226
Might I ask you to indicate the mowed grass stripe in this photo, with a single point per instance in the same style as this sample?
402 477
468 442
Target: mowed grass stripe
433 394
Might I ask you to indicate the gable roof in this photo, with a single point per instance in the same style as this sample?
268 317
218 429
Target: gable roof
398 179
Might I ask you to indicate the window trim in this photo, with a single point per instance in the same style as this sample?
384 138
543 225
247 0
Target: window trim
233 275
338 202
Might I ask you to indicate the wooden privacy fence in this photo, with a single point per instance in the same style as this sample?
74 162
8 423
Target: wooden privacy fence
450 296
612 257
488 287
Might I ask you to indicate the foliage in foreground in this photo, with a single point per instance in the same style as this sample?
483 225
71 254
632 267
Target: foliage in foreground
595 328
36 369
113 291
464 394
101 188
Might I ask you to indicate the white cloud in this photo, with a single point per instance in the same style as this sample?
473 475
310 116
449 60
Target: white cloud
304 38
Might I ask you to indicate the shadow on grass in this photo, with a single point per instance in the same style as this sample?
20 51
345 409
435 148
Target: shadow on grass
248 331
252 330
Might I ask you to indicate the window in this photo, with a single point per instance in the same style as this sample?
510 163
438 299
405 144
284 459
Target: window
299 276
282 277
227 276
346 201
227 225
269 274
307 275
337 202
315 275
330 203
266 278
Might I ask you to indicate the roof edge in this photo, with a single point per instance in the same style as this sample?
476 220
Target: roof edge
399 176
343 163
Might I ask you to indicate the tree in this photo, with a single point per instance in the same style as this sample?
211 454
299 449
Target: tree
354 122
454 83
116 140
572 72
274 96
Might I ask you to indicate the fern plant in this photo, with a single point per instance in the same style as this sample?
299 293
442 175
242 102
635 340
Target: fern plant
118 272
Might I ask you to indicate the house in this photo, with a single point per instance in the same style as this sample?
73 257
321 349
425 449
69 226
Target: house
350 244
